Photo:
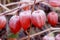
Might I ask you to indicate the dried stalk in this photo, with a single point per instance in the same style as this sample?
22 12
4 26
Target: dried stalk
9 11
13 12
46 27
14 3
28 35
17 8
54 31
41 32
5 13
17 3
4 7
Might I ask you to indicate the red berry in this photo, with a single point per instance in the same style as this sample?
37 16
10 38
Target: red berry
52 18
14 24
25 19
2 22
54 3
38 18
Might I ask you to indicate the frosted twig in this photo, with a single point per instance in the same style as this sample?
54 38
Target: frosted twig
41 32
4 7
17 8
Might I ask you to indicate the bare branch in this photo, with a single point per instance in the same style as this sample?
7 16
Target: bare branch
40 32
7 12
29 4
15 3
4 7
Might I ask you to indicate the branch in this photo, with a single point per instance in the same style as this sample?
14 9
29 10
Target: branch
9 11
4 7
14 3
54 31
17 8
29 4
40 33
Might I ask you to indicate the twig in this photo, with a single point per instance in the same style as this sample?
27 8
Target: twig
5 13
9 11
14 3
28 35
41 32
54 31
4 7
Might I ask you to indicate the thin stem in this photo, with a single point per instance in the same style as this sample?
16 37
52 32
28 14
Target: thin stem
28 34
9 11
54 31
33 5
15 3
4 7
47 28
5 13
41 32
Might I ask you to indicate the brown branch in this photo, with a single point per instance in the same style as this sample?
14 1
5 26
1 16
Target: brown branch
29 4
54 31
40 33
7 12
15 3
4 7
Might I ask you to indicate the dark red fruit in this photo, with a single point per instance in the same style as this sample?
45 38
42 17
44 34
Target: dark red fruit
14 24
2 22
38 18
52 18
54 3
25 19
